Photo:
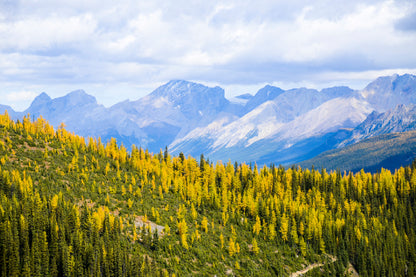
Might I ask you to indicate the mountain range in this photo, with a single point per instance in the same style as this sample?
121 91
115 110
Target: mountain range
272 126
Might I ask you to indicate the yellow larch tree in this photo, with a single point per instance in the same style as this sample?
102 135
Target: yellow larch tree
254 248
284 227
257 226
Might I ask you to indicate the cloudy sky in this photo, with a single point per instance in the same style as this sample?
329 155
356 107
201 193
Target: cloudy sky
117 50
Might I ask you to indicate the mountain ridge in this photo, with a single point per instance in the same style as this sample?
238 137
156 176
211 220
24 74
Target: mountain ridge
400 119
193 118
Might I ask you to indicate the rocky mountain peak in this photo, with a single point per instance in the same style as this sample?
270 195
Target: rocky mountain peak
79 97
400 119
263 95
176 90
386 92
41 99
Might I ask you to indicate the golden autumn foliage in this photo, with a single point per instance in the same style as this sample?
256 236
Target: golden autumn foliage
104 193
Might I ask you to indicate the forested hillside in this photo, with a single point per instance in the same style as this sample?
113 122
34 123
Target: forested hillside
388 151
74 208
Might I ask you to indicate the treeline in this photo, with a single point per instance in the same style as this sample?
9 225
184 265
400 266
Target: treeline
71 208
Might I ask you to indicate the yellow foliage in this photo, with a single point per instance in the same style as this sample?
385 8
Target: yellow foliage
284 227
255 248
54 202
204 224
194 213
231 247
222 241
257 226
183 229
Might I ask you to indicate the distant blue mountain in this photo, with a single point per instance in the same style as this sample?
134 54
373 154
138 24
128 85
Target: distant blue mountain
273 125
263 95
10 111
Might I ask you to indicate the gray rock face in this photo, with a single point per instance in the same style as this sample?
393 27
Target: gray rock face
385 93
263 95
400 119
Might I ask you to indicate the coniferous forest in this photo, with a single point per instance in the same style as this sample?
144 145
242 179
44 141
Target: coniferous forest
71 206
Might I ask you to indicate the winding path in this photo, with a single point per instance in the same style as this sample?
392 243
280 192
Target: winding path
310 267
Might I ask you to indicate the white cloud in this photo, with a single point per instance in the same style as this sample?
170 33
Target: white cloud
20 96
234 44
33 34
18 100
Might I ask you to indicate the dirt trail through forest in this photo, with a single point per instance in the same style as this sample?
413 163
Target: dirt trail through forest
310 267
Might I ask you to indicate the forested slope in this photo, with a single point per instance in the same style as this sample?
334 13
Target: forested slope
71 208
388 151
